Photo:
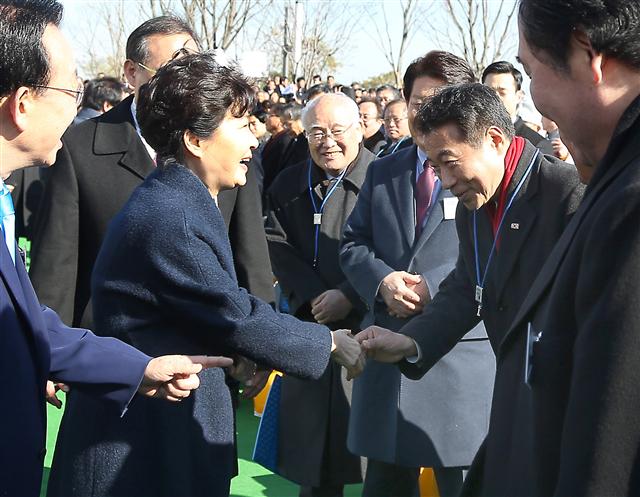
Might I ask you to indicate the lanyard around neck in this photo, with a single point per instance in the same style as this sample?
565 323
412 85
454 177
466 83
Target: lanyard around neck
481 280
317 212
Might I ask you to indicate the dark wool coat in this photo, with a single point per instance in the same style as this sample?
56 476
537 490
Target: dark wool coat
578 417
165 282
541 210
314 414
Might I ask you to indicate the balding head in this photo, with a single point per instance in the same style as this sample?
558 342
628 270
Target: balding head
332 124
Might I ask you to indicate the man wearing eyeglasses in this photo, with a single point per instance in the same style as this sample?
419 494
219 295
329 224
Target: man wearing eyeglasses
36 105
308 204
100 164
399 243
396 125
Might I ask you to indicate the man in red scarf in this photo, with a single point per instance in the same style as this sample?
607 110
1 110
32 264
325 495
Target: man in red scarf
514 204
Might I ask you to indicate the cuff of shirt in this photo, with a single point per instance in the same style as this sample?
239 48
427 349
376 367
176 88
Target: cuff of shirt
414 358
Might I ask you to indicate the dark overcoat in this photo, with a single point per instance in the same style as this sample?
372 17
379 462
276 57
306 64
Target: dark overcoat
441 419
100 163
165 282
35 346
540 211
581 414
314 414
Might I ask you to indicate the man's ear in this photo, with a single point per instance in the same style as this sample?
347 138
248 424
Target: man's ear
497 139
192 144
130 69
19 106
580 41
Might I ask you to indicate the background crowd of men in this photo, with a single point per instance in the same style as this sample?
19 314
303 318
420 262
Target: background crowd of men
491 290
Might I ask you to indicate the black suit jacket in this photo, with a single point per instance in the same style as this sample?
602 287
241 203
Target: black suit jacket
101 162
580 409
548 198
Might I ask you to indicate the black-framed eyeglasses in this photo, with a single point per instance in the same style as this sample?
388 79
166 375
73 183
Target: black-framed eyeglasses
176 55
318 136
77 93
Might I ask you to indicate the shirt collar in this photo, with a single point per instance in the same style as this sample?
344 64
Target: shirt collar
152 152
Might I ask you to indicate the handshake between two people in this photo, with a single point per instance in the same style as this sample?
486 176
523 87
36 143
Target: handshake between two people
375 343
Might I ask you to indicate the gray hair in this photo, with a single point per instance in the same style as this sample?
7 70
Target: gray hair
339 99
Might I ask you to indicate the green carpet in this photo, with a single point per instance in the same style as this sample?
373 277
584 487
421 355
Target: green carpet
253 480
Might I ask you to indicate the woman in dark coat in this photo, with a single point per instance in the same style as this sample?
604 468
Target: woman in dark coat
164 281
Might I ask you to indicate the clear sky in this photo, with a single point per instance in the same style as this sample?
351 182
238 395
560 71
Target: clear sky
360 60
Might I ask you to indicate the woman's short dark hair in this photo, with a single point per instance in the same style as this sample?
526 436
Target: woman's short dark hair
472 107
612 26
192 93
137 49
443 66
23 58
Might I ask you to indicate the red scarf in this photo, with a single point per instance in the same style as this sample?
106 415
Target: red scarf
511 160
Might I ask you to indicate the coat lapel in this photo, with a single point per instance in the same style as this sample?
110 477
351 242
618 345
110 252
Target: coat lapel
549 270
402 184
518 222
116 134
9 274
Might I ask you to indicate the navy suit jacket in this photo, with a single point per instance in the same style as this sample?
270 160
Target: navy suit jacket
165 281
35 346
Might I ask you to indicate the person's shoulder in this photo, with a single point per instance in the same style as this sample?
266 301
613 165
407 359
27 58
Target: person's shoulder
554 170
403 158
289 181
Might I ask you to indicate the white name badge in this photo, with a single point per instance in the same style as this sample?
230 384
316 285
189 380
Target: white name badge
450 205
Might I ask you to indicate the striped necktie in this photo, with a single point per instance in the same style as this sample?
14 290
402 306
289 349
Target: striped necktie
8 220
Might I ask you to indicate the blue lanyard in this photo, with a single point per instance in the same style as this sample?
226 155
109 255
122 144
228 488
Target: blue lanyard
394 148
317 213
480 281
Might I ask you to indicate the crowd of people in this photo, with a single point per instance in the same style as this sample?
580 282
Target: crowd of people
456 275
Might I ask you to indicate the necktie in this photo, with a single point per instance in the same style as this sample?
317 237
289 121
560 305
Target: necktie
8 220
424 190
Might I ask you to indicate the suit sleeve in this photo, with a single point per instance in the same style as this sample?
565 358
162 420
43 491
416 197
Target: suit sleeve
601 427
219 313
443 322
99 366
364 270
54 256
292 270
247 236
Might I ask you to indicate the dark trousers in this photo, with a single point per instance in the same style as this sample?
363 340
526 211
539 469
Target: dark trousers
389 480
322 491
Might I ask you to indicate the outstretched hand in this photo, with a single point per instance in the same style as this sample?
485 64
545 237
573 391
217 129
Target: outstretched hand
347 352
173 377
384 345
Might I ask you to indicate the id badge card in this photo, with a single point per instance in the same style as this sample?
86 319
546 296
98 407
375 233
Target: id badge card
533 336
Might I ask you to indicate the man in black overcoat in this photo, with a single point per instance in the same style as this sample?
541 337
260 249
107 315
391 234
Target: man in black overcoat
315 413
485 164
568 368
